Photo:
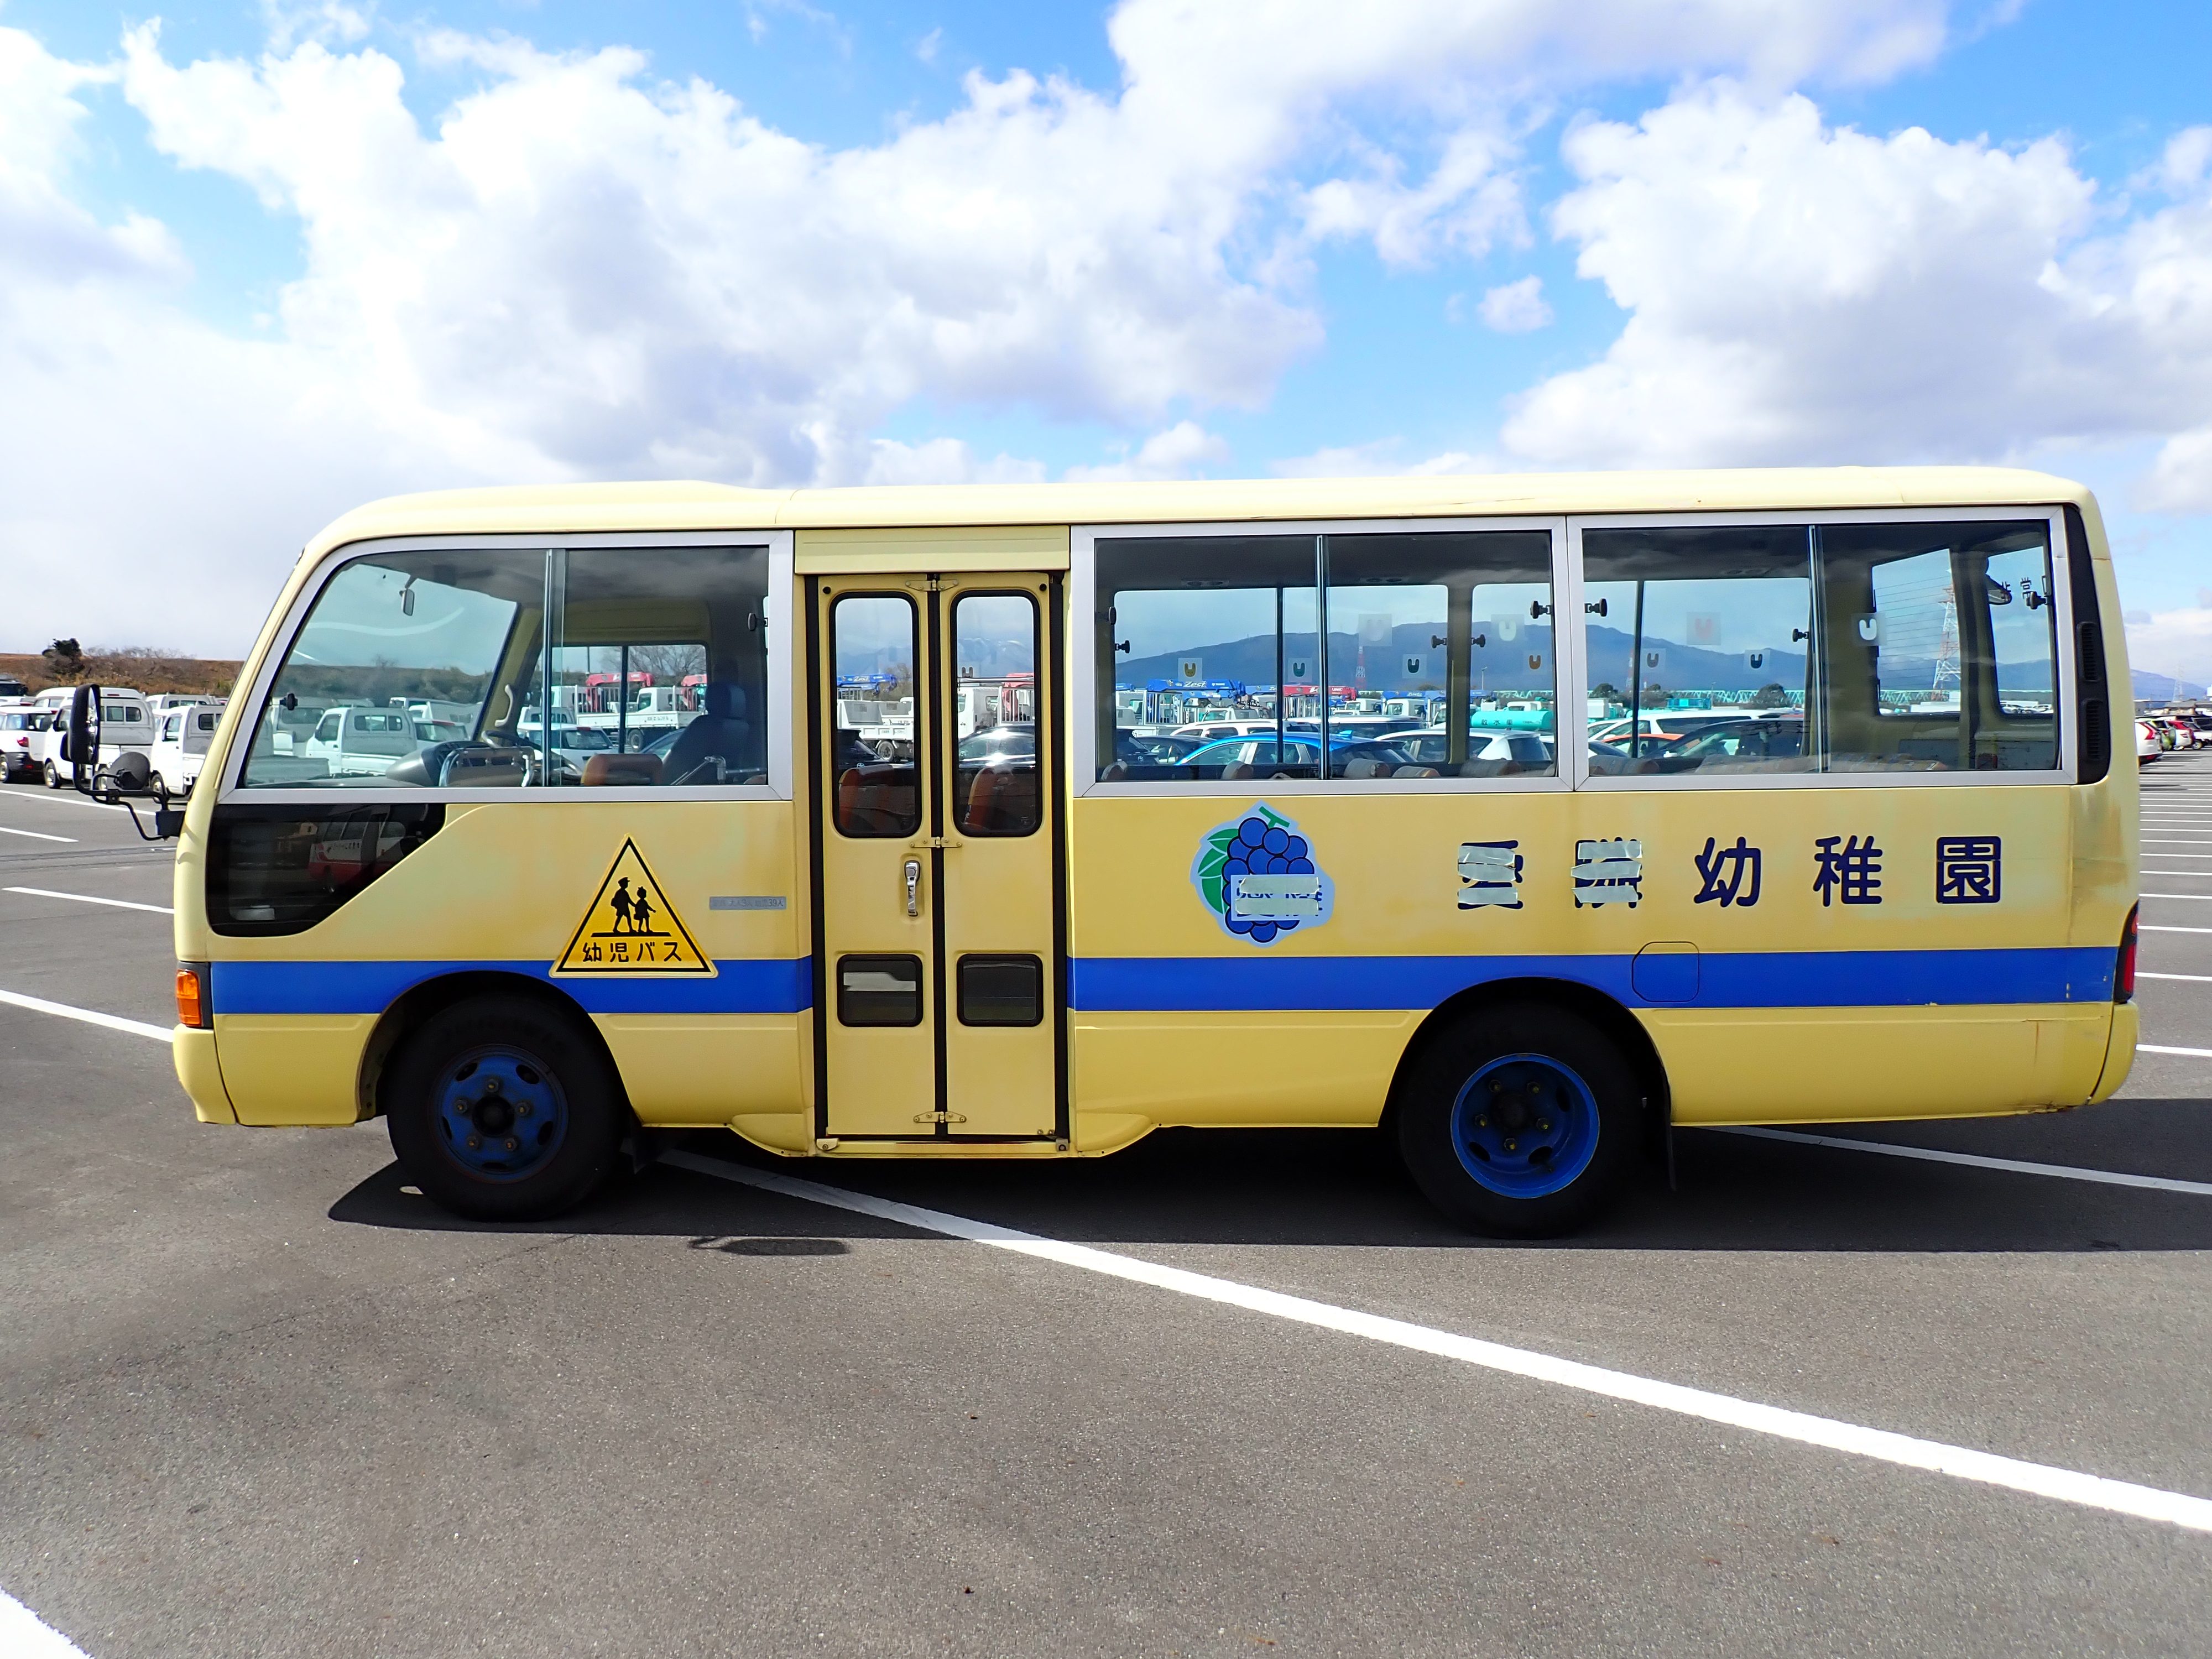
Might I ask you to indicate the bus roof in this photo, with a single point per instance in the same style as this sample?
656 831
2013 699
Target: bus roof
692 506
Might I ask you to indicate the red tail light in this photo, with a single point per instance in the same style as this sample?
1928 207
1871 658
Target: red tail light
2124 973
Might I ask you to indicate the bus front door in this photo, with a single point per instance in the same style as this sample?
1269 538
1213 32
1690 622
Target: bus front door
940 1016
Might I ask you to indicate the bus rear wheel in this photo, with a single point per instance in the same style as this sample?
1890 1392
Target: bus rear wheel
502 1110
1521 1121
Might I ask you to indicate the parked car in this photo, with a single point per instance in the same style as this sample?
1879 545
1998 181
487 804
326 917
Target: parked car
1257 757
20 755
2148 744
180 747
1488 753
11 686
1013 743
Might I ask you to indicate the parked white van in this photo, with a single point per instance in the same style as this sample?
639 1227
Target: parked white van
179 747
354 741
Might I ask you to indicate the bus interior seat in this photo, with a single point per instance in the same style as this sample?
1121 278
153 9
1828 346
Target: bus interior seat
1417 772
1239 769
868 799
722 732
1002 802
630 771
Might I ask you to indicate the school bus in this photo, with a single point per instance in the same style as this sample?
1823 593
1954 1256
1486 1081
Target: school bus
547 819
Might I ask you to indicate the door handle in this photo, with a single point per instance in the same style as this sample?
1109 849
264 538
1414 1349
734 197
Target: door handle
913 887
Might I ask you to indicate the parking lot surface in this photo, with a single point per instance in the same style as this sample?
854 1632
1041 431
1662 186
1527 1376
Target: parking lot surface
262 1399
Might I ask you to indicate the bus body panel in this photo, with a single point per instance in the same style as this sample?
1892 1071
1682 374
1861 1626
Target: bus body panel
504 887
201 1074
1780 1008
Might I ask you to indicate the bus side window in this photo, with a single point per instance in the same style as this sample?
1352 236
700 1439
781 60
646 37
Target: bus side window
658 672
1940 647
875 789
1691 634
1422 654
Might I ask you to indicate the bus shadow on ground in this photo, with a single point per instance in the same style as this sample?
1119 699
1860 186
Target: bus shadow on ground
1344 1188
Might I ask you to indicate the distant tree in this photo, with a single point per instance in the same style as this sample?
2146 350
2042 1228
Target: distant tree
1605 689
64 659
1771 696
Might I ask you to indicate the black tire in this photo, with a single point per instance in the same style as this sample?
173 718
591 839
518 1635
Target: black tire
53 776
1534 1052
455 1061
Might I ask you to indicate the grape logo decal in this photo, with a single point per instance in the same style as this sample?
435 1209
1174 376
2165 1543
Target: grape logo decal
1256 874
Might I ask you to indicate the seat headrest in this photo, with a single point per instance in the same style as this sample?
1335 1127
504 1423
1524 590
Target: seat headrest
722 700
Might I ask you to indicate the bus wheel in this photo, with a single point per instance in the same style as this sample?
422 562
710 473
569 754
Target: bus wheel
502 1111
1520 1122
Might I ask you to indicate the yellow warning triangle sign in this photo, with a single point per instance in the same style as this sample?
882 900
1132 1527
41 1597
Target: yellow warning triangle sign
631 927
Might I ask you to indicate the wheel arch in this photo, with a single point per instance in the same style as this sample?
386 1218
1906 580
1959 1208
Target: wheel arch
1604 1012
421 1002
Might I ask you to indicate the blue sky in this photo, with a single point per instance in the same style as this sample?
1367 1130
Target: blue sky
1643 237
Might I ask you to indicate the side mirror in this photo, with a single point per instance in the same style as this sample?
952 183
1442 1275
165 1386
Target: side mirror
81 748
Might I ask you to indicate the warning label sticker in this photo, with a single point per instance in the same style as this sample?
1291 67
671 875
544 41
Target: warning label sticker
631 927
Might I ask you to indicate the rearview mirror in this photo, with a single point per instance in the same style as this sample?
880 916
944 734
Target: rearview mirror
81 746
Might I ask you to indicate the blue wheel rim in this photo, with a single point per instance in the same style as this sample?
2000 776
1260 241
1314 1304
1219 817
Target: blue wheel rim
1525 1126
502 1116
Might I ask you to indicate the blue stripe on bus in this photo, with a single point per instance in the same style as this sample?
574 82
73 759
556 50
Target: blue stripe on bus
742 986
1781 979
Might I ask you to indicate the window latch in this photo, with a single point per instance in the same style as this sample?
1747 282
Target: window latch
1597 610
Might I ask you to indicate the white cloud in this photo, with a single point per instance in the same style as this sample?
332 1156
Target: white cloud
333 23
1177 452
1515 307
1382 459
2171 642
944 461
579 270
1804 293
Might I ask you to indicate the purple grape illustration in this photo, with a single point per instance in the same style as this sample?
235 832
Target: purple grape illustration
1262 842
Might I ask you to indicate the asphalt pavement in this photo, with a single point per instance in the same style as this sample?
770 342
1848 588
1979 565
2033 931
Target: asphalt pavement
260 1398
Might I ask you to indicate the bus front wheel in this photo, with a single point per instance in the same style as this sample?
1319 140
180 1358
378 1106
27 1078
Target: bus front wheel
501 1111
1521 1121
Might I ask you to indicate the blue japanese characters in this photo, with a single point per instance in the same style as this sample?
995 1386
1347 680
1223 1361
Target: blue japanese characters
1969 869
1257 875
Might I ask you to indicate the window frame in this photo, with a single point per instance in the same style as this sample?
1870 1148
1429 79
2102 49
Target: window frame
1082 683
782 587
2062 599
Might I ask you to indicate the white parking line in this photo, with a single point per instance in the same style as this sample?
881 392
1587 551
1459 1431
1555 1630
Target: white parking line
87 898
112 1022
24 1635
1974 1161
2145 927
2200 979
2205 899
34 834
2157 1049
2040 1479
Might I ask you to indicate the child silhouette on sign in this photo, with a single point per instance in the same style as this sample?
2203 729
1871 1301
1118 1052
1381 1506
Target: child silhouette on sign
620 905
641 911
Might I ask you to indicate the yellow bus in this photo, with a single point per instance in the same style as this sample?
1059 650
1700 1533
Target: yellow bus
1020 822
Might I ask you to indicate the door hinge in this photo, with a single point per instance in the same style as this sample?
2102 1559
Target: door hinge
936 584
939 1117
935 843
